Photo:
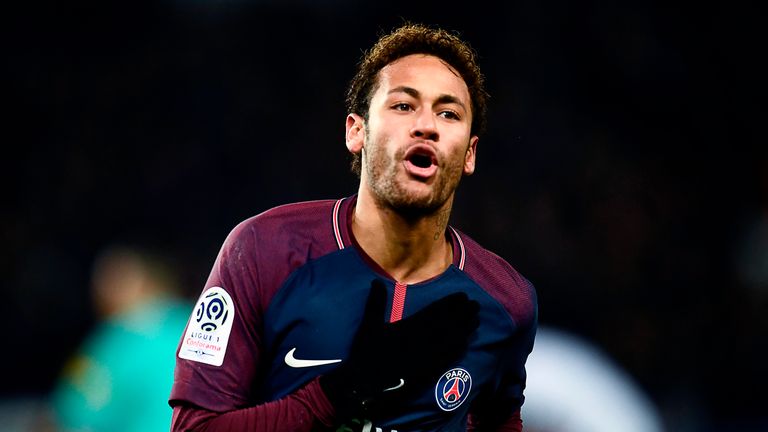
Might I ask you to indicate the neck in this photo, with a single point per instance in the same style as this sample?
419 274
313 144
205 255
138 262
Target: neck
409 247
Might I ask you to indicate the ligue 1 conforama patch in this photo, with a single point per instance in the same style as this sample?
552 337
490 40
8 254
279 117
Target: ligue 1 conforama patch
453 388
209 326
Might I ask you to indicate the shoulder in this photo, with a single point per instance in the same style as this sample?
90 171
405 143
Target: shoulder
302 216
272 228
280 239
500 280
263 250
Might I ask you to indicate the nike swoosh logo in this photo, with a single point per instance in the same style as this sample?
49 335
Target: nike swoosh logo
402 383
293 362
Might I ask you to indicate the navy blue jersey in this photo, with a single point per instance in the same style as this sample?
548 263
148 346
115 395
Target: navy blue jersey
286 296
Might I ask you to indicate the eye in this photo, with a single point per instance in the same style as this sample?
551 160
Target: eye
401 106
451 115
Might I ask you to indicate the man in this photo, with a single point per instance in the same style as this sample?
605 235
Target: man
369 312
126 361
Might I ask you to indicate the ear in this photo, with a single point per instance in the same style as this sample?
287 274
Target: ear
355 133
469 157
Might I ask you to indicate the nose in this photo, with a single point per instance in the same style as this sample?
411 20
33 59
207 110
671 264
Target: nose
424 126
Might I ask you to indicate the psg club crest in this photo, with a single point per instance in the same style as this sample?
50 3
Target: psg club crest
453 388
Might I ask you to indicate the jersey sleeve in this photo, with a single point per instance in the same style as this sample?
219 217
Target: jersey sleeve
513 423
220 357
217 392
299 411
235 345
500 410
504 407
498 407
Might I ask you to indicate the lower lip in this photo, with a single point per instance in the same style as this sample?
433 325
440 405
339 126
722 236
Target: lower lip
417 171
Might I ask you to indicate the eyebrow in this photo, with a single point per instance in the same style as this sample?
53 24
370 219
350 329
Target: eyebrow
442 99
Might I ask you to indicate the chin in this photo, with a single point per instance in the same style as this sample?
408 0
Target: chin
416 203
410 197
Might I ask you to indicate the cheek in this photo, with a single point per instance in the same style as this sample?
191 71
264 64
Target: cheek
376 152
379 143
461 152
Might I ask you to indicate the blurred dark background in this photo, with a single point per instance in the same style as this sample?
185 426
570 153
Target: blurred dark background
624 172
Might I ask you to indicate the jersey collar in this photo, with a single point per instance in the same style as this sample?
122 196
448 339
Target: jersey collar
342 217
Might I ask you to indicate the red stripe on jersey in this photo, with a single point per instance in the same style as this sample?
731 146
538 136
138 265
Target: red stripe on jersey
336 228
462 252
398 302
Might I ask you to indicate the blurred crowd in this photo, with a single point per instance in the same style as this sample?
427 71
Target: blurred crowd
120 375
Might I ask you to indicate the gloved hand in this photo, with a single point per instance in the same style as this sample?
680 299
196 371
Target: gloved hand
389 360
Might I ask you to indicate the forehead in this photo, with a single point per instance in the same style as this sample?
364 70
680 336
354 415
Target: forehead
425 73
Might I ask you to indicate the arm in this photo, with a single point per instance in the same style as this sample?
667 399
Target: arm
220 354
493 413
513 424
352 389
221 358
299 411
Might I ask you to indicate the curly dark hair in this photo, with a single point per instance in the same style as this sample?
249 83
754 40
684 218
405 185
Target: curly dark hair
417 39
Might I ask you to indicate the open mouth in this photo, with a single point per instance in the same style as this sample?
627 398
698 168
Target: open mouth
421 160
421 155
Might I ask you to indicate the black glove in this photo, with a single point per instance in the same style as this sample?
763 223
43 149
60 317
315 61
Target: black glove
389 360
